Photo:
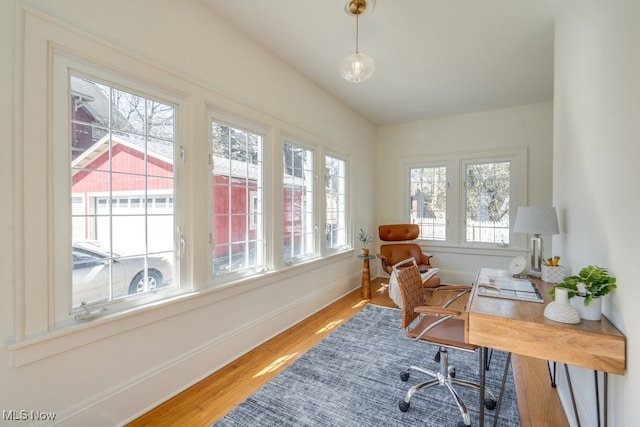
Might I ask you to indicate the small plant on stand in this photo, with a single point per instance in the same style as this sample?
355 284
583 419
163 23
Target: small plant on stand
366 240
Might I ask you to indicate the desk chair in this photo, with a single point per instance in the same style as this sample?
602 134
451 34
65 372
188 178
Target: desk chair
400 246
441 326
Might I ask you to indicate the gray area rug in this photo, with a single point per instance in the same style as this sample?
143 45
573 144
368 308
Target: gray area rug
352 378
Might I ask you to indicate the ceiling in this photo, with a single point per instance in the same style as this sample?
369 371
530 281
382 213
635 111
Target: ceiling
433 58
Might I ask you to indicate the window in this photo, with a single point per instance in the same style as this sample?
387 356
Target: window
237 199
121 144
109 165
335 203
465 199
429 201
298 202
487 186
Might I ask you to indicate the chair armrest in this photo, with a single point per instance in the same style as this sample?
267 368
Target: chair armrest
456 288
460 289
425 258
424 309
442 315
384 261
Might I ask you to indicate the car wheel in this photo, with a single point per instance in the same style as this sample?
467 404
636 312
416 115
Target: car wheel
154 278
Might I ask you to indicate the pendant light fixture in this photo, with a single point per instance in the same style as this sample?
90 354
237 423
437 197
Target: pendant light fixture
357 67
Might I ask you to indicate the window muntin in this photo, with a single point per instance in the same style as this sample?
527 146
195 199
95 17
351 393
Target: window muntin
428 186
335 203
487 202
237 190
298 202
492 171
122 148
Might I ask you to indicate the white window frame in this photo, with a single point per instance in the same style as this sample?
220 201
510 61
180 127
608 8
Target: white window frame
347 243
230 120
316 208
447 203
455 163
44 325
63 66
37 333
465 189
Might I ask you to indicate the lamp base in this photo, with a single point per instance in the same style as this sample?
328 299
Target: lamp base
536 256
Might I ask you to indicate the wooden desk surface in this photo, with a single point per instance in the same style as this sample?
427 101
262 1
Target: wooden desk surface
520 327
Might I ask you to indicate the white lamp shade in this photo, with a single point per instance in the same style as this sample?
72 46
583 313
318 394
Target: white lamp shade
357 67
536 220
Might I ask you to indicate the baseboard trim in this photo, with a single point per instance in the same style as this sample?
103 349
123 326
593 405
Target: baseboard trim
127 401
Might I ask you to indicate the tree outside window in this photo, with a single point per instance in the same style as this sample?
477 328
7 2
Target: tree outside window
488 187
429 201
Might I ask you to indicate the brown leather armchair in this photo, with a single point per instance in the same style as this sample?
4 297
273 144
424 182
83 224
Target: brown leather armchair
402 248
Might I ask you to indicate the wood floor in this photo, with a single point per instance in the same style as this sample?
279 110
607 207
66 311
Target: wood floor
210 399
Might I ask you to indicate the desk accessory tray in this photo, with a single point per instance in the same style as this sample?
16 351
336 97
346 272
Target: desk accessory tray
509 288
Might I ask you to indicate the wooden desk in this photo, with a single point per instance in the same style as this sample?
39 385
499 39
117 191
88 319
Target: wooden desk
520 327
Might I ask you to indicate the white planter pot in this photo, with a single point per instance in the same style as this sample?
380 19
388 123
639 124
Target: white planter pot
591 312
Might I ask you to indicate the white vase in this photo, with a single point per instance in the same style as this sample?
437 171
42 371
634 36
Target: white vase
560 310
591 312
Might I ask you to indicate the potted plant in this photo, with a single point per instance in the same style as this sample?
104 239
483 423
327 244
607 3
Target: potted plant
588 287
366 240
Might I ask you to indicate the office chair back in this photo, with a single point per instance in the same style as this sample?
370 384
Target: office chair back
439 325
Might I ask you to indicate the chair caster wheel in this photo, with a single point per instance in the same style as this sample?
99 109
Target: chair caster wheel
452 373
404 406
490 404
462 424
404 376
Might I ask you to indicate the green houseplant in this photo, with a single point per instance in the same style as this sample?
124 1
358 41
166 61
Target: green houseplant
366 240
596 283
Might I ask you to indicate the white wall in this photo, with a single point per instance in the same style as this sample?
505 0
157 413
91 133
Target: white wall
596 173
114 379
529 125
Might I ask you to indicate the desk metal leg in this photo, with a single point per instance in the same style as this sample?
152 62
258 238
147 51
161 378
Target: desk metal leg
504 382
573 398
552 376
481 355
602 418
595 379
605 380
488 354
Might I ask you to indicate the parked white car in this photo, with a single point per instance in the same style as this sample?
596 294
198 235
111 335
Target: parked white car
94 270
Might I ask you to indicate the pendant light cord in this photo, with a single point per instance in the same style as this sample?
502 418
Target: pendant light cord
357 30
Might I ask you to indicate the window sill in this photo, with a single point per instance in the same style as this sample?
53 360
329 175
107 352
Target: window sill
509 251
69 336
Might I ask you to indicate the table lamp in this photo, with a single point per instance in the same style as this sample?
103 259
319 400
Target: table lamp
536 221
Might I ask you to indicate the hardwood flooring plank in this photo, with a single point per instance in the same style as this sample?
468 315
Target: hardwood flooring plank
210 399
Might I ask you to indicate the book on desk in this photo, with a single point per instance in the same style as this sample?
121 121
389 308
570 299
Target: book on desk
509 288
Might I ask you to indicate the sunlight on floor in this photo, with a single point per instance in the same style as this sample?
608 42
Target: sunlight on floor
360 304
329 326
276 364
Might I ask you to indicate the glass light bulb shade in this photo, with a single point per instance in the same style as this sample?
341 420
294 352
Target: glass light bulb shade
357 67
